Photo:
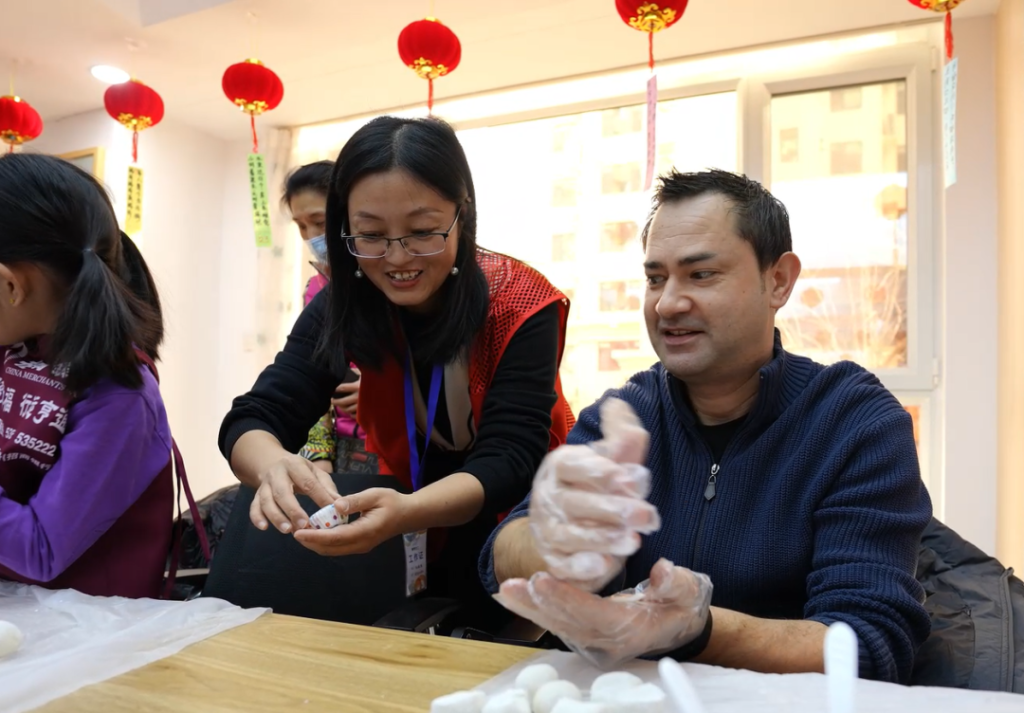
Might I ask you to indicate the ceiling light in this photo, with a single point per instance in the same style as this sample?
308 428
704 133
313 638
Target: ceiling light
110 75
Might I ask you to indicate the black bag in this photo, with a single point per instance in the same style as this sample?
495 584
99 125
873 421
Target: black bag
977 611
255 568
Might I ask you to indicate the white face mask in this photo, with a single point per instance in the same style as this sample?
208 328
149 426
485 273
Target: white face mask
318 248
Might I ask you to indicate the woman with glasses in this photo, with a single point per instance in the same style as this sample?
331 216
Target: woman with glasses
336 442
458 347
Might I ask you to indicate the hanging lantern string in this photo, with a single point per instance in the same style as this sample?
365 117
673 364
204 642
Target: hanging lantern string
430 96
650 50
949 35
135 146
255 138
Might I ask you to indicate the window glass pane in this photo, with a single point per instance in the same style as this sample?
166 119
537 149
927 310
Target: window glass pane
565 194
839 165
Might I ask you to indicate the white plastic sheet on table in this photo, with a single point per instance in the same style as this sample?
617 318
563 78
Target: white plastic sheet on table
74 640
724 690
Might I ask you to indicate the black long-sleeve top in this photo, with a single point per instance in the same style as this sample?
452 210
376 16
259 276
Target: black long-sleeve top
513 434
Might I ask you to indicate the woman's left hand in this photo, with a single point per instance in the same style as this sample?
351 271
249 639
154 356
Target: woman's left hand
381 514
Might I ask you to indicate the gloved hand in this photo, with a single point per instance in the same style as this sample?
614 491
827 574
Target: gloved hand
588 507
661 614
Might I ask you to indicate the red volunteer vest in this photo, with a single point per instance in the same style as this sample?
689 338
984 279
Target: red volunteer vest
517 292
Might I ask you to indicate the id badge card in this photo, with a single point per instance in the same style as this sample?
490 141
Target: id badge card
415 562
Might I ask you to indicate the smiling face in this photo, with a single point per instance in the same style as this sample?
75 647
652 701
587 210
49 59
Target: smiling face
394 204
710 310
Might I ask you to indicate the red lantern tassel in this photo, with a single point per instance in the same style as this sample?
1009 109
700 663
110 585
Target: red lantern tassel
430 96
949 35
10 148
255 139
135 147
650 50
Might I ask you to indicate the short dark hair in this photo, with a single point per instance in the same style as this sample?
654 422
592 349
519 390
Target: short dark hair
761 219
314 177
360 318
57 216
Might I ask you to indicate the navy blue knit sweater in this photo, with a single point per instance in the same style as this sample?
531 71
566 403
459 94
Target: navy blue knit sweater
818 510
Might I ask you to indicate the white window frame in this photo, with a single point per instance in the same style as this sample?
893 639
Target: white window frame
914 65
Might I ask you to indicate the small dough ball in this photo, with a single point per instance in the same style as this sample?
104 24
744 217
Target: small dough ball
533 677
460 702
10 638
550 694
646 698
607 685
514 700
569 705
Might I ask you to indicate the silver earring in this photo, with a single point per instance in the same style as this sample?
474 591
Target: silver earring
455 271
359 273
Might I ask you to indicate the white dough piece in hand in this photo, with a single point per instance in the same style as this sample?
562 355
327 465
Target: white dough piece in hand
606 686
548 695
514 700
10 638
460 702
533 677
646 698
569 705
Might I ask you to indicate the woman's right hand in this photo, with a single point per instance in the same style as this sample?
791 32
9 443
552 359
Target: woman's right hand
275 502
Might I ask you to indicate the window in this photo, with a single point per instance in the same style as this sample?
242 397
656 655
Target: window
624 120
563 193
789 145
846 157
563 247
621 295
620 178
586 240
845 99
607 351
617 237
849 228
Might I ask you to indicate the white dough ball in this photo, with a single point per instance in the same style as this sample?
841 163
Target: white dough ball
550 694
569 705
533 677
607 685
10 638
646 698
514 700
460 702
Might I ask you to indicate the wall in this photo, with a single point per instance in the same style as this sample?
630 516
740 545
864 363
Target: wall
1010 136
969 300
188 231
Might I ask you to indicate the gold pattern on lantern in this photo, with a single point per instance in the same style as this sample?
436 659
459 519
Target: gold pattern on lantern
940 5
135 123
426 69
256 107
649 18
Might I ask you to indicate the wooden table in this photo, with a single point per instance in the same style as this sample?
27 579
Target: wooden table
281 663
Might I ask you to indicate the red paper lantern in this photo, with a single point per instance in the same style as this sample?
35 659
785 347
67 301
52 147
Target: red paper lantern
430 49
651 17
254 88
135 105
947 7
19 122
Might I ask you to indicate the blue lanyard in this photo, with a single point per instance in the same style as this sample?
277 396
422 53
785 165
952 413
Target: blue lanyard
416 463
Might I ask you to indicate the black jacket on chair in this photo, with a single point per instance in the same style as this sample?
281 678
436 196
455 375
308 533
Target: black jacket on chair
977 611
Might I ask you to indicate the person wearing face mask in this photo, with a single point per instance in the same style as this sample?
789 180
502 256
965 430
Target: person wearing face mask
336 442
459 347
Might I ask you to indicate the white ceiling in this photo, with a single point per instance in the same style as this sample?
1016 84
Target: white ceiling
339 58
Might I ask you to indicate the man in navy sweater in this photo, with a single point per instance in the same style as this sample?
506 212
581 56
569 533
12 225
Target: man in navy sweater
793 487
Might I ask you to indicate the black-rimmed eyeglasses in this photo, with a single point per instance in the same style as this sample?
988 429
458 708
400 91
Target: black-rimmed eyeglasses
418 245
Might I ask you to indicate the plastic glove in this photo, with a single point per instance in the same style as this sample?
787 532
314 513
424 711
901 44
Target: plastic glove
661 614
588 507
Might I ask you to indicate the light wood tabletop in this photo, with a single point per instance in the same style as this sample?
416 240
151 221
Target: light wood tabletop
281 663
